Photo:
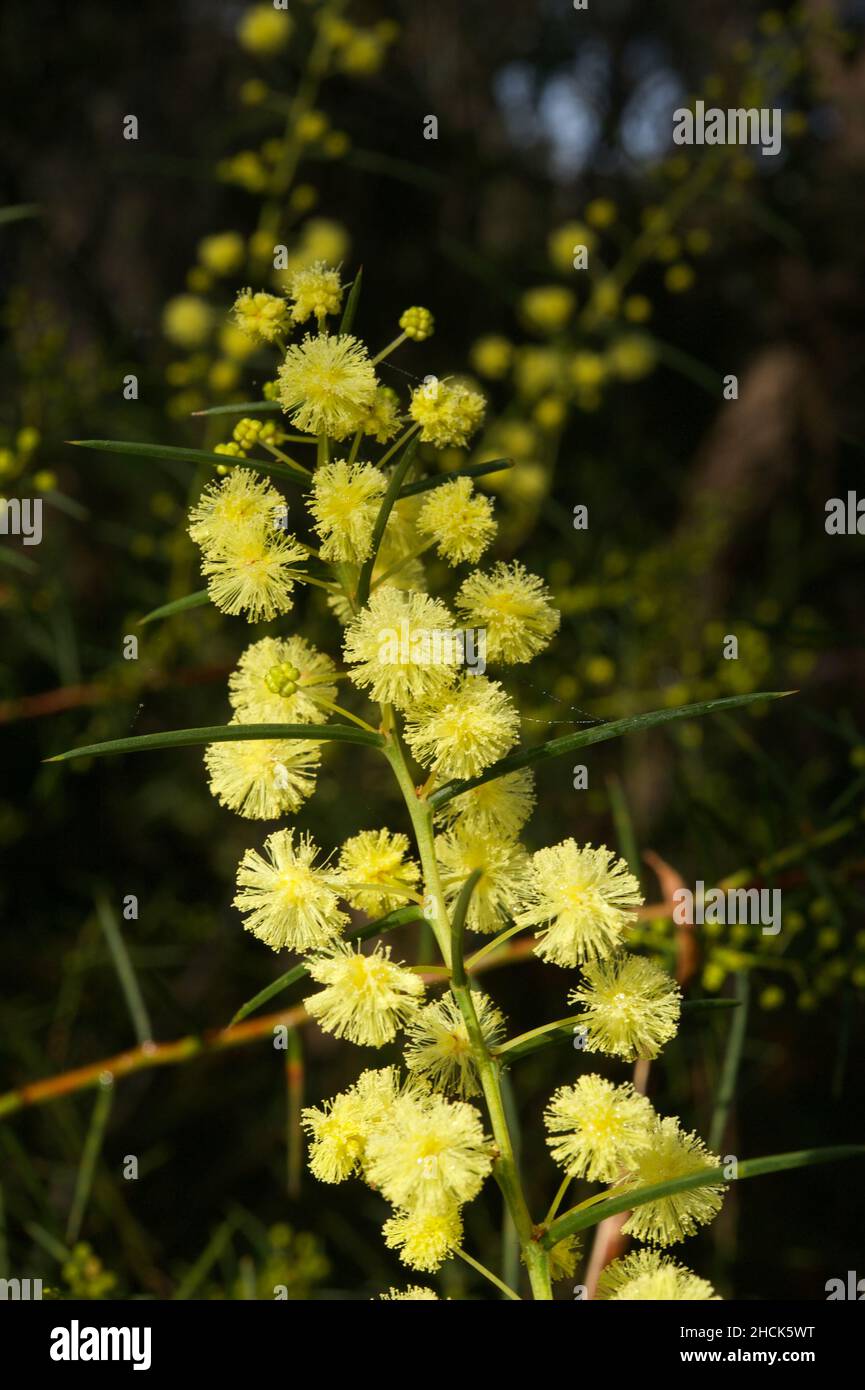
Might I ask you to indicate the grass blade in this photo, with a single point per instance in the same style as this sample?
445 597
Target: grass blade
472 470
600 733
178 605
198 456
575 1220
125 971
351 303
223 733
89 1158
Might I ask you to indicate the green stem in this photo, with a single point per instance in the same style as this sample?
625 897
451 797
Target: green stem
488 1274
505 1168
421 819
557 1200
338 709
391 347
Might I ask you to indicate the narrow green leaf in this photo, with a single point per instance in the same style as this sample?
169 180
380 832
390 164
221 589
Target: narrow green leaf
600 733
243 408
458 922
178 605
576 1220
351 303
224 733
472 470
732 1059
398 918
166 451
384 511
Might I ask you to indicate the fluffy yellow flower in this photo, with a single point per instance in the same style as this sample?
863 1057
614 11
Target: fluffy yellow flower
401 648
262 779
672 1153
438 1048
580 897
277 681
375 873
502 863
344 503
447 411
631 1007
338 1131
287 899
327 384
316 290
459 519
429 1155
255 573
514 607
500 807
262 317
382 420
366 998
242 503
424 1239
596 1128
466 730
563 1258
647 1276
415 1293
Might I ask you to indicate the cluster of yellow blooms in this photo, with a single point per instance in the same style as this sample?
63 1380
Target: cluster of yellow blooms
419 1141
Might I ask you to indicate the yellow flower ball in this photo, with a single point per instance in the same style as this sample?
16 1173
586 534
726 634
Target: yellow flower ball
679 278
491 356
547 307
564 242
264 31
222 253
637 308
187 320
601 212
